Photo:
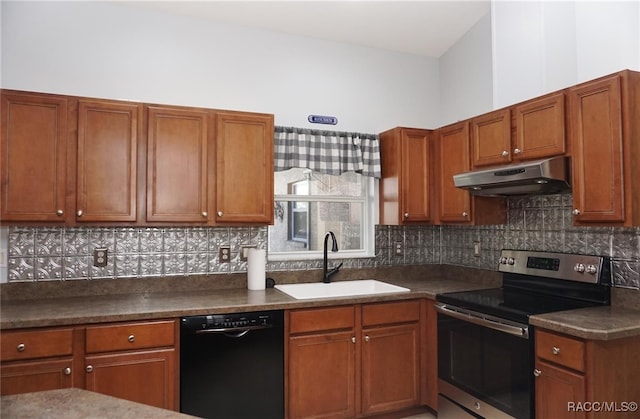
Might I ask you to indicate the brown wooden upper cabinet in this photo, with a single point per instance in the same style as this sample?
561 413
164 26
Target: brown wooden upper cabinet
405 186
107 168
73 160
452 143
244 168
35 140
457 205
530 130
604 132
179 143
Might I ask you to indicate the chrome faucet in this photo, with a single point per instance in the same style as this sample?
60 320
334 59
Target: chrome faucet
334 248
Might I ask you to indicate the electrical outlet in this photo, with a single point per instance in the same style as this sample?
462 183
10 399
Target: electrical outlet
224 254
476 249
398 248
244 252
100 257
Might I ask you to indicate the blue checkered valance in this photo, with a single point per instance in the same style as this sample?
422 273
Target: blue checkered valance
328 152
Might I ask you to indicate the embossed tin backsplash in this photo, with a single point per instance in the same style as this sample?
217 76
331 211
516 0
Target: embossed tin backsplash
534 223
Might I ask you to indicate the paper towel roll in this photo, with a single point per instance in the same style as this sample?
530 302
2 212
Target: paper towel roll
256 269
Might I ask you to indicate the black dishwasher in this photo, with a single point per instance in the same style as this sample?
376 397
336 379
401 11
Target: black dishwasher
232 365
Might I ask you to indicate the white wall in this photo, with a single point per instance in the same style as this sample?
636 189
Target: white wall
466 83
542 46
113 51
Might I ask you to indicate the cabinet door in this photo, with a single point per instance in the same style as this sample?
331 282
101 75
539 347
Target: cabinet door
491 138
34 134
540 128
416 179
147 377
555 389
107 160
40 375
244 168
322 376
178 169
390 368
596 142
453 145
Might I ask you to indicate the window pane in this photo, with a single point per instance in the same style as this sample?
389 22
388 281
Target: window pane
301 226
305 182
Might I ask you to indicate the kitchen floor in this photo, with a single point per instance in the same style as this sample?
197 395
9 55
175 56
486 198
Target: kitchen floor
421 416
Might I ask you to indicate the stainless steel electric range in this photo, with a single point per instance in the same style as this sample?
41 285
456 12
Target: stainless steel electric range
485 342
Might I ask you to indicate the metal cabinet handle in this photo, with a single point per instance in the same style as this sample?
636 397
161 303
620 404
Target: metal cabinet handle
59 213
67 371
131 338
89 368
21 347
353 339
220 213
576 211
465 214
537 372
517 151
505 153
555 350
366 338
204 214
406 215
79 213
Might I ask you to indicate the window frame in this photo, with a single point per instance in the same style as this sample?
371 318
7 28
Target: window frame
369 202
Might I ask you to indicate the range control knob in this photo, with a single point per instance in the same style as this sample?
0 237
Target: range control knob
592 269
580 268
503 260
511 261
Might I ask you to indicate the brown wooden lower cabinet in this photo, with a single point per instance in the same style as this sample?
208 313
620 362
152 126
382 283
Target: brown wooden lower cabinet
353 361
143 377
40 375
579 378
133 361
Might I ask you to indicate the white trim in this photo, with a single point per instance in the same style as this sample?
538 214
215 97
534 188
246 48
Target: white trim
370 219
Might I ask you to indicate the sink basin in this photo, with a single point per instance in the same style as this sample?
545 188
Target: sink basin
339 289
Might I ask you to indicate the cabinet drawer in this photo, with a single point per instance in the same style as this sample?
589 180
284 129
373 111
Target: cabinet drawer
129 336
36 344
561 350
318 319
389 313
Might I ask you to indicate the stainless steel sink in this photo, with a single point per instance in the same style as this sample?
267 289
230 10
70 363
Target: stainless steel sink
339 289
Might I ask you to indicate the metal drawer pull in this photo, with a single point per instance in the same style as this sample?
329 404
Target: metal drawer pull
89 368
537 372
353 339
220 213
366 338
79 213
131 338
59 213
555 350
67 371
21 347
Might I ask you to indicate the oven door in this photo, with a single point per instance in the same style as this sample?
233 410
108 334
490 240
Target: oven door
484 363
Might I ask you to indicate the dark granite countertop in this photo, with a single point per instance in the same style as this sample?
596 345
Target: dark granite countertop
597 323
72 403
144 306
63 304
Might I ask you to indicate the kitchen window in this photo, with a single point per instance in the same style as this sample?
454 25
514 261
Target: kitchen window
308 204
324 181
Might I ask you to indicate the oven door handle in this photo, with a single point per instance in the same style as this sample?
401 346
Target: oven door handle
485 321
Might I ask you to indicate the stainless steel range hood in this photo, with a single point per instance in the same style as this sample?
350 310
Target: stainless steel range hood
537 177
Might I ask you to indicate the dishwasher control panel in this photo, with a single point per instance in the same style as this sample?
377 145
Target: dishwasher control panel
231 321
